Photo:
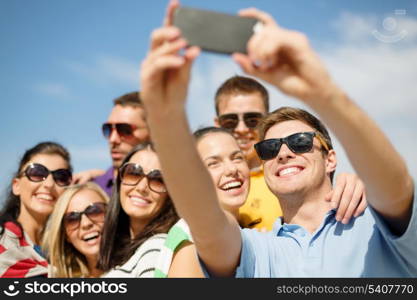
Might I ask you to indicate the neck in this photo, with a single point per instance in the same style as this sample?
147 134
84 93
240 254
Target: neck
306 209
33 226
92 267
136 227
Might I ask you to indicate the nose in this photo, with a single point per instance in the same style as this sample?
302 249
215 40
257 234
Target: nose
241 127
230 168
285 153
114 137
49 181
85 222
142 186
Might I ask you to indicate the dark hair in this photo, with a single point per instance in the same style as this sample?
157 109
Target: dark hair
116 245
203 131
290 114
11 209
130 99
241 85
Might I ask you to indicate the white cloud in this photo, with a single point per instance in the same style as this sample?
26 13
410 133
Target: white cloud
379 76
106 69
51 89
392 28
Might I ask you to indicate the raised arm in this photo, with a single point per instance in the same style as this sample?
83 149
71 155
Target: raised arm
164 82
285 59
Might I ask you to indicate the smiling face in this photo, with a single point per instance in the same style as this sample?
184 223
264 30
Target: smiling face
297 174
121 146
139 202
38 198
228 168
86 237
240 104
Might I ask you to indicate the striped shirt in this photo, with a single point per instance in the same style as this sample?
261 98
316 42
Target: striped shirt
178 234
142 263
19 257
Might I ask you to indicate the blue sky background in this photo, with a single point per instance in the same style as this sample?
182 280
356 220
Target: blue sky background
62 63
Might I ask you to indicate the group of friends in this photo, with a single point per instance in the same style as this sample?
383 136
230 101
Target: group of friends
251 196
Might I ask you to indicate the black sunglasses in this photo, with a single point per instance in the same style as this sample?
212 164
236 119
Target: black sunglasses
230 121
132 174
37 173
95 212
124 130
300 142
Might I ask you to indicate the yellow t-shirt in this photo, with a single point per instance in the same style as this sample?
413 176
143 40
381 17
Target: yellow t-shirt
262 208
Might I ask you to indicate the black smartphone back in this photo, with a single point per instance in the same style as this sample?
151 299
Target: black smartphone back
214 31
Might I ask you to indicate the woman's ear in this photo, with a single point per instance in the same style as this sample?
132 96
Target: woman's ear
16 186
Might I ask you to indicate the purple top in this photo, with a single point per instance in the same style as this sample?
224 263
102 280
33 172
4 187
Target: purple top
105 181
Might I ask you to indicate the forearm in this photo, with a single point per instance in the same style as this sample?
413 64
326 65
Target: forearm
188 181
384 172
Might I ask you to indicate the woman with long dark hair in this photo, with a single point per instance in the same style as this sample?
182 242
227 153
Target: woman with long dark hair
138 217
43 172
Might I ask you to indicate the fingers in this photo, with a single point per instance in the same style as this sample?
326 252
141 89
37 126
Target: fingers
169 15
257 14
353 204
162 35
337 193
348 193
362 206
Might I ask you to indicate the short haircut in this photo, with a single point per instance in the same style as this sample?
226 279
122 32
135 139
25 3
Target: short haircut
241 85
286 113
130 99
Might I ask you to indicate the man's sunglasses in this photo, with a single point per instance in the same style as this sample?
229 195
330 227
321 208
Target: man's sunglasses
132 174
124 130
230 121
37 173
301 142
95 212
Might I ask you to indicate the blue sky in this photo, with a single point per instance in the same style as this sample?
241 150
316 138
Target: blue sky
62 63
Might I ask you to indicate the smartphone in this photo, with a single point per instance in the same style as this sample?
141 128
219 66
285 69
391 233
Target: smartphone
214 31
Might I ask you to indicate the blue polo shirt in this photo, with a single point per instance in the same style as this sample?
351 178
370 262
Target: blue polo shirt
363 248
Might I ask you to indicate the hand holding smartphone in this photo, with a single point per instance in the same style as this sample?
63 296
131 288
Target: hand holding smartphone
213 31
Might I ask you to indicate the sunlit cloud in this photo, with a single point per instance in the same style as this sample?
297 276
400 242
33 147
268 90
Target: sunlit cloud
106 69
53 90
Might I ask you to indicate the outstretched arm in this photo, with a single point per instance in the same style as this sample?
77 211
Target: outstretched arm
164 82
285 59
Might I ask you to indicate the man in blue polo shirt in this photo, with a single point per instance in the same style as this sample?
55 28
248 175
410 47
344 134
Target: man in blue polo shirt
298 160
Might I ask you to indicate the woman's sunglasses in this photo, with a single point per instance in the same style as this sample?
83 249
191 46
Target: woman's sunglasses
132 174
301 142
124 130
230 121
37 173
95 212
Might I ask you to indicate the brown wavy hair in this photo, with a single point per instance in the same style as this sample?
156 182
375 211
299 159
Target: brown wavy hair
117 246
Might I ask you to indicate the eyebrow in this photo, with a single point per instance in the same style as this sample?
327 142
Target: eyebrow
219 157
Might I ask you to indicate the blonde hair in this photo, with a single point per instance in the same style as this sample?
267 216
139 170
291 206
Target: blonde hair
65 260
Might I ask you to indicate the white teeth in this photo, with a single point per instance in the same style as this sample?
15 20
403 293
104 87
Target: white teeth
139 200
289 171
44 197
231 185
91 236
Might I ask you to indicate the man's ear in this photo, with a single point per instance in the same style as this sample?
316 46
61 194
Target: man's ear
216 121
16 186
331 162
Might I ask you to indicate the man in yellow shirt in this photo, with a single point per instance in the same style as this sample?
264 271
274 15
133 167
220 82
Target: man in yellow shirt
241 102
